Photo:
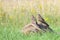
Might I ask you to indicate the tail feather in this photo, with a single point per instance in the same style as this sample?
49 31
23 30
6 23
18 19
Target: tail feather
41 19
50 30
45 26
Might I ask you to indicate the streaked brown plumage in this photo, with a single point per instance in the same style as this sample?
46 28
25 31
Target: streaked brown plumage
31 27
42 24
38 25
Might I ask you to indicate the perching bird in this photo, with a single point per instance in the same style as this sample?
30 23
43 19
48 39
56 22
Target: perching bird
42 24
31 27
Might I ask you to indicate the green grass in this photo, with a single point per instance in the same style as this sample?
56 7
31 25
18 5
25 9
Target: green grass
11 30
13 33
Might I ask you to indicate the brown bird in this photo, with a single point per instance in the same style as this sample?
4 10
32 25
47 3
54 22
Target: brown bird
31 27
42 24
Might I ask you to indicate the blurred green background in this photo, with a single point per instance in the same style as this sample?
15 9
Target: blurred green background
14 14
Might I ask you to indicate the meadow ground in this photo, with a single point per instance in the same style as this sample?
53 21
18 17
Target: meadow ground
11 31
